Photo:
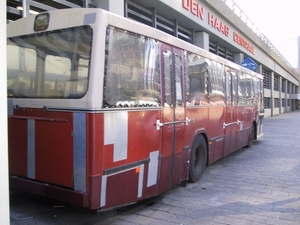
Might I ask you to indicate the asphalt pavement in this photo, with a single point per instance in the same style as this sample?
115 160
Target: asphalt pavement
257 185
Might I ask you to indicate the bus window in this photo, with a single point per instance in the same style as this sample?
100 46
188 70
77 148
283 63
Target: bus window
217 82
178 79
228 87
132 76
77 84
21 66
168 100
196 80
49 64
234 87
83 69
249 89
57 72
242 88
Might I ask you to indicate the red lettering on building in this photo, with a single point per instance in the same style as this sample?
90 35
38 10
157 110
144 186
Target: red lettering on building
211 19
243 42
219 25
194 7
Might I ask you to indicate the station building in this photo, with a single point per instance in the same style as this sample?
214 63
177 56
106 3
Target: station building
218 26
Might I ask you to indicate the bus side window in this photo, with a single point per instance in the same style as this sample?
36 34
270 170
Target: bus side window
132 76
228 87
234 87
196 80
242 89
217 82
178 79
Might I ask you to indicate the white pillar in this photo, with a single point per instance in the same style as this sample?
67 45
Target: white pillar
4 191
202 40
26 8
272 93
238 58
280 94
286 93
114 6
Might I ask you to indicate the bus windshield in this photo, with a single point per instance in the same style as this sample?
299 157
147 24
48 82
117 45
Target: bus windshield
52 64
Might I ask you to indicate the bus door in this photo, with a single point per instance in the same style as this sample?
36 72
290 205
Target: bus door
227 126
241 110
235 110
231 122
173 160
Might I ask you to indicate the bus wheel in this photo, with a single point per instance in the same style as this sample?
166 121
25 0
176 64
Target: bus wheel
198 159
251 137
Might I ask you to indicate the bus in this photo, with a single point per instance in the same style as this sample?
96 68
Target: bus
104 111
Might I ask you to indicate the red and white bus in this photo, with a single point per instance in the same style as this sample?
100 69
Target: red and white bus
104 111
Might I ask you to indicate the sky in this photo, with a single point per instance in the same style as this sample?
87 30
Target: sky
278 21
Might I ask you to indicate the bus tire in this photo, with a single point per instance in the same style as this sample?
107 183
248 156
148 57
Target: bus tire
251 137
198 159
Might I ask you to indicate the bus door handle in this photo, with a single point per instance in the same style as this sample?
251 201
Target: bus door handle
186 121
238 122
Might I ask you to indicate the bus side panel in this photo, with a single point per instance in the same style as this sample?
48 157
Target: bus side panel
241 129
54 151
228 131
17 145
234 130
249 117
149 189
165 169
130 157
200 117
181 156
46 144
181 166
143 138
122 188
216 132
94 153
129 137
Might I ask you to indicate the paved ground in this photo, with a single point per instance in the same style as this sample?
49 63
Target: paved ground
259 185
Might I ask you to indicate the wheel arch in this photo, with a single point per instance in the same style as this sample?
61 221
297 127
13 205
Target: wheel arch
198 132
254 124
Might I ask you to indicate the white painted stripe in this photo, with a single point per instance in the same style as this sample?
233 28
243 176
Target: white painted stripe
153 169
31 148
79 151
103 191
10 105
116 133
141 179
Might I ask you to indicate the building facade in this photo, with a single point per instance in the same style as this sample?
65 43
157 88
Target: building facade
218 26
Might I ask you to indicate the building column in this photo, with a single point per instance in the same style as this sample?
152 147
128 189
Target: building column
272 92
292 94
238 58
280 97
114 6
286 94
297 98
259 69
85 3
26 7
202 40
292 100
